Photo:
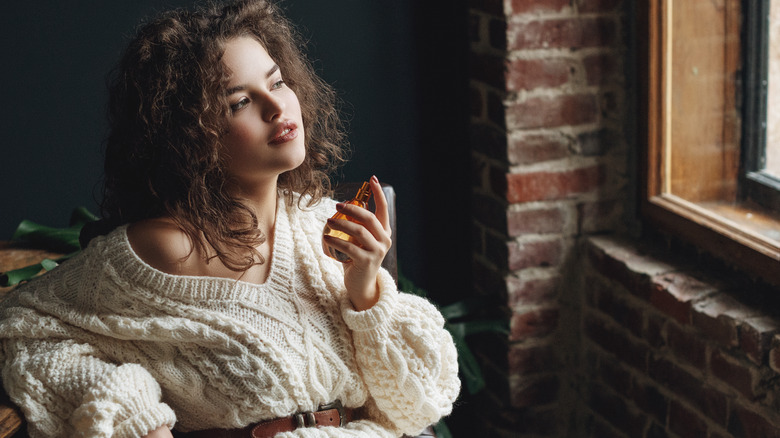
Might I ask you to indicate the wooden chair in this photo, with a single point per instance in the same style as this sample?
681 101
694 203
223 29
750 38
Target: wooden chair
12 256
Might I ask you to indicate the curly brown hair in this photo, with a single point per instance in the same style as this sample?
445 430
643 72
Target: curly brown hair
168 114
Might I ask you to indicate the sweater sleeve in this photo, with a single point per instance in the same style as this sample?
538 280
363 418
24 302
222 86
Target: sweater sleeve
407 359
65 389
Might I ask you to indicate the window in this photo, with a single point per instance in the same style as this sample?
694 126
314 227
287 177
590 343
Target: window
711 175
761 179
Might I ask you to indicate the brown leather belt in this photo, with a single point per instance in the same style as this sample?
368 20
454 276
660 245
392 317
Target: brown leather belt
332 414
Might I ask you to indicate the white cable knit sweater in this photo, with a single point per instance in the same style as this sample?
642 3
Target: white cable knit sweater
105 345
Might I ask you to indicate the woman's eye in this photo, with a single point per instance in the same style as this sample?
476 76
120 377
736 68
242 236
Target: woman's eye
278 84
240 104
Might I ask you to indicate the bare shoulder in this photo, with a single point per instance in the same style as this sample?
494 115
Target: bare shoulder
163 245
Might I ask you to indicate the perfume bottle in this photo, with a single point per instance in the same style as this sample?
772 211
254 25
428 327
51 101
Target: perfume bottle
361 200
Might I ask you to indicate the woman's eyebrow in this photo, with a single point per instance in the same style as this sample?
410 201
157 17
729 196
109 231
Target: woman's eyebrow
241 87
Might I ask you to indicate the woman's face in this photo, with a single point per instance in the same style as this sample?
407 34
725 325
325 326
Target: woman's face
265 129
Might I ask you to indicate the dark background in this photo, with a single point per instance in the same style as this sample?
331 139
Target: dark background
400 68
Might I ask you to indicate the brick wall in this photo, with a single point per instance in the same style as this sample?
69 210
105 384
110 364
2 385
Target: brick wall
672 348
547 115
609 337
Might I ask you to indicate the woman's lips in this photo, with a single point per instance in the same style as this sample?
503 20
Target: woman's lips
285 132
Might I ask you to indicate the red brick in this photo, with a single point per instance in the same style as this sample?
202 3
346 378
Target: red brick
650 400
535 391
616 410
528 74
614 374
537 6
481 171
569 33
546 186
710 317
755 337
602 429
536 221
597 143
553 111
654 332
674 294
489 69
623 262
600 68
598 216
534 254
488 281
597 5
490 212
707 400
524 360
538 148
657 431
591 291
531 292
752 424
495 7
738 375
617 342
647 397
496 111
687 345
774 354
489 140
712 403
497 178
685 422
609 104
533 324
618 309
667 303
540 390
497 33
672 376
497 250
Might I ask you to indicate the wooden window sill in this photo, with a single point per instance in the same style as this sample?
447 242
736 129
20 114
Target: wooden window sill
742 235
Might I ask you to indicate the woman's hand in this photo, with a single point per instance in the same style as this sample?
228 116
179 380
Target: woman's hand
372 234
160 432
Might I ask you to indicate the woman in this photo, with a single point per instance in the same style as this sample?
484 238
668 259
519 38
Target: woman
210 305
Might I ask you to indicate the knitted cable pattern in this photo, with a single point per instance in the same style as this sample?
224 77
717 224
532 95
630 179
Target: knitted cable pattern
105 345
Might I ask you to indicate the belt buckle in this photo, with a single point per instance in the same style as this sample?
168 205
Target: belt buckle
339 407
306 419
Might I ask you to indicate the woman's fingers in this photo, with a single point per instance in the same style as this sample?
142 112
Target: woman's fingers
366 219
359 233
381 204
350 249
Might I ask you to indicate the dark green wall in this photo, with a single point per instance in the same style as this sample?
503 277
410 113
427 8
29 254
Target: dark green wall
399 66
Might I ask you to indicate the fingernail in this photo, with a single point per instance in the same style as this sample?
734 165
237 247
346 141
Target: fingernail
374 178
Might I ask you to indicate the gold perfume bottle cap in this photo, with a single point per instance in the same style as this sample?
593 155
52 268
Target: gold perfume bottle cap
364 194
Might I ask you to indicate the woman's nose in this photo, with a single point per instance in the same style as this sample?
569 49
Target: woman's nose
273 108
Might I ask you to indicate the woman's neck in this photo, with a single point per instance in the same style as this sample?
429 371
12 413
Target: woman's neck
262 200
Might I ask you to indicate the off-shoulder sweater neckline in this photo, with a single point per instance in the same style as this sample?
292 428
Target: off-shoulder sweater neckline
194 287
